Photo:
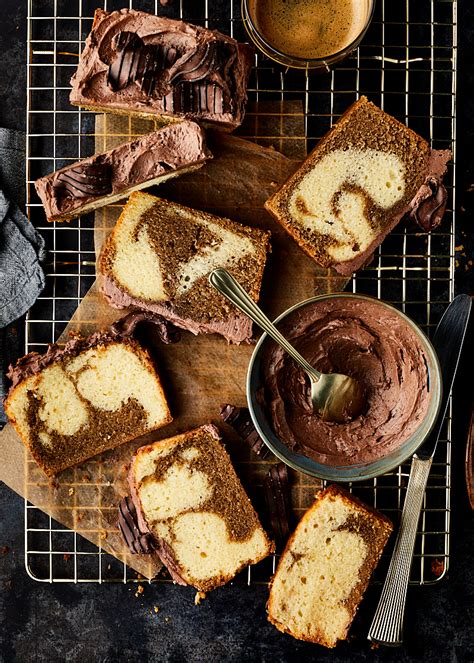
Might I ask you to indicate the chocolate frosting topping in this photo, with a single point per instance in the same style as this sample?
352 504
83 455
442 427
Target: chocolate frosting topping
139 542
154 65
429 204
167 332
362 339
165 553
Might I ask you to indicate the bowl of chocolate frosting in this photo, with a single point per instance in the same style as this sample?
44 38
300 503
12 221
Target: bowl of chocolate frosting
369 340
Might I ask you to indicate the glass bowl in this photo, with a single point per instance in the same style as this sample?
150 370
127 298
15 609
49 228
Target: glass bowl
263 44
354 472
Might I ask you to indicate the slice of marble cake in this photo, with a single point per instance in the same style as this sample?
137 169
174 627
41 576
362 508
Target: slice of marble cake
106 178
160 254
364 175
190 502
91 395
326 567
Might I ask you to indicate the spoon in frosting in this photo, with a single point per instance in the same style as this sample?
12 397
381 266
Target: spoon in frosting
335 397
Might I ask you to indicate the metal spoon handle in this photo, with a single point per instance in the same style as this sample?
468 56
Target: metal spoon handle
233 291
387 625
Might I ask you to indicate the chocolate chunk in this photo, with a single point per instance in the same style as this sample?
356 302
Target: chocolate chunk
123 68
145 64
429 205
240 420
155 58
200 62
83 181
277 497
136 61
167 332
138 542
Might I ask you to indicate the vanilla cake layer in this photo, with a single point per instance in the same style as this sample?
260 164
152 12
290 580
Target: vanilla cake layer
90 396
355 187
188 496
326 567
177 248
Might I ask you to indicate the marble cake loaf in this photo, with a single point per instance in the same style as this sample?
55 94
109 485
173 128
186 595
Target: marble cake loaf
357 184
188 505
326 567
91 395
177 248
108 177
146 65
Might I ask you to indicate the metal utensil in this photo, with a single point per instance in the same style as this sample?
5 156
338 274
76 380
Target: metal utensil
335 397
387 625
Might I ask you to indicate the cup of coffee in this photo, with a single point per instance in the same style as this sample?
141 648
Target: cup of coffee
307 34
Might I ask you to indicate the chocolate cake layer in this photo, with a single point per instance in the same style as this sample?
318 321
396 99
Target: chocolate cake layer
111 176
138 63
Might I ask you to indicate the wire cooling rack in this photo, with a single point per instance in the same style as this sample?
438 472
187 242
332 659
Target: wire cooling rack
407 65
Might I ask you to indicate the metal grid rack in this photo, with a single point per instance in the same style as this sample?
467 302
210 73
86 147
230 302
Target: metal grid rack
407 65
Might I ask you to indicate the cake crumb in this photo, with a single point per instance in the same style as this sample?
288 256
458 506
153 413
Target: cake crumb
156 609
66 557
200 596
167 619
103 534
140 590
4 550
71 491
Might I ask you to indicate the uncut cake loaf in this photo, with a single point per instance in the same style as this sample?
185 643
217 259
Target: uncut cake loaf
326 567
108 177
188 504
146 65
176 248
76 401
355 186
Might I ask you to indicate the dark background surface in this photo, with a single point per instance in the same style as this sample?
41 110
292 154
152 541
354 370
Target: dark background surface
43 622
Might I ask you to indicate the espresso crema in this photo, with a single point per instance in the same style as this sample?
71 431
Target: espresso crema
309 29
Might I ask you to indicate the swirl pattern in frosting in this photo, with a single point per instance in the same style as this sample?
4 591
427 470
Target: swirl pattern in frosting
366 341
152 65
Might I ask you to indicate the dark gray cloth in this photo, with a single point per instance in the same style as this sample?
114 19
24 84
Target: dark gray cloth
21 248
21 275
12 165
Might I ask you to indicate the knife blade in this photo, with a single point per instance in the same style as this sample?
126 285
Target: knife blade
387 625
447 341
